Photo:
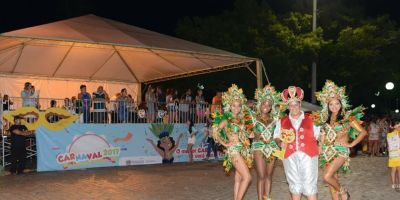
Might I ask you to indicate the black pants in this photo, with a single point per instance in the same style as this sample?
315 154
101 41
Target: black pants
211 146
18 156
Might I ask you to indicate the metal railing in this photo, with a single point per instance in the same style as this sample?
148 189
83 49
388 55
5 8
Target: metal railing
116 111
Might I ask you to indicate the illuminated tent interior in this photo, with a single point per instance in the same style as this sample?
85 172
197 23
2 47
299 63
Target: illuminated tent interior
59 56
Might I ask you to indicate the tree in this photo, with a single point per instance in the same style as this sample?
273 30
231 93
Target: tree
252 28
350 48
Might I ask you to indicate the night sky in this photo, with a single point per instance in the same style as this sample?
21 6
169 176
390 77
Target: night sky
157 15
161 16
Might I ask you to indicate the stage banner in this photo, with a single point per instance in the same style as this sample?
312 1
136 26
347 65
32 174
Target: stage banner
80 146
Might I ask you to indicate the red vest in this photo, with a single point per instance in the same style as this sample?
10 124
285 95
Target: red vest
305 140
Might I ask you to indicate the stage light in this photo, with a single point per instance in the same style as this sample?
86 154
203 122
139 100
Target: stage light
389 86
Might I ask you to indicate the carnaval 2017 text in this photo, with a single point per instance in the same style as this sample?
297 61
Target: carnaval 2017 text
73 157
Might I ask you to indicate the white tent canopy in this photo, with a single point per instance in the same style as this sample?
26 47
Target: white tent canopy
93 48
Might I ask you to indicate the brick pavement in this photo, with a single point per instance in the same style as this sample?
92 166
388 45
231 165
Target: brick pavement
178 181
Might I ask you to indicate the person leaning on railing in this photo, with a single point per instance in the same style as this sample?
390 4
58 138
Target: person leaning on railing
76 105
171 106
99 99
85 98
69 105
53 118
6 103
123 101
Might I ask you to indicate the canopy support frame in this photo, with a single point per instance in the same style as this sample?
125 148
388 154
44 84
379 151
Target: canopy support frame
19 56
126 64
63 59
101 66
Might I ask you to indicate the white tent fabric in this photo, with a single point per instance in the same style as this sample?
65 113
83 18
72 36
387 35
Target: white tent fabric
48 89
95 48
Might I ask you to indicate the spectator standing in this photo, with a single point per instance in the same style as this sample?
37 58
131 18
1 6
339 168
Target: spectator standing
184 105
27 96
18 151
161 97
84 98
123 101
384 130
100 97
68 105
169 99
373 139
6 103
53 118
192 132
208 137
176 100
216 104
35 96
150 98
393 140
200 105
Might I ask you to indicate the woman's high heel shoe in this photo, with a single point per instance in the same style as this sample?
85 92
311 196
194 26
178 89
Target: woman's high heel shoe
266 198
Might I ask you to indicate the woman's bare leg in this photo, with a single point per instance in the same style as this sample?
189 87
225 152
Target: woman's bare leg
189 151
393 171
334 193
377 147
261 169
370 147
244 173
331 170
237 184
398 178
268 183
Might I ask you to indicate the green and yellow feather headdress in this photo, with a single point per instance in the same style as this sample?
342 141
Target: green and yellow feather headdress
268 93
332 91
233 94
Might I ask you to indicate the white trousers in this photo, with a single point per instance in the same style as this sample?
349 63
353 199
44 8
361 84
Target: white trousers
301 173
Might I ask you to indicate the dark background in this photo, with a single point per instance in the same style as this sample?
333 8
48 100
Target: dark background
164 16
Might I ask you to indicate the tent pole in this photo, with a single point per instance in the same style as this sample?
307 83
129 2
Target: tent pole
139 94
259 74
265 71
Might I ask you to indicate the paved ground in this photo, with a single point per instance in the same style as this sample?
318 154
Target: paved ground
369 179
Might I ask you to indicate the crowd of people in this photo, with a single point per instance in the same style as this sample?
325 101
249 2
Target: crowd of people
378 128
158 105
180 108
276 128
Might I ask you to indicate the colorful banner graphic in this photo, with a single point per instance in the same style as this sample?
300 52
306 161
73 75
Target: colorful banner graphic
102 145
